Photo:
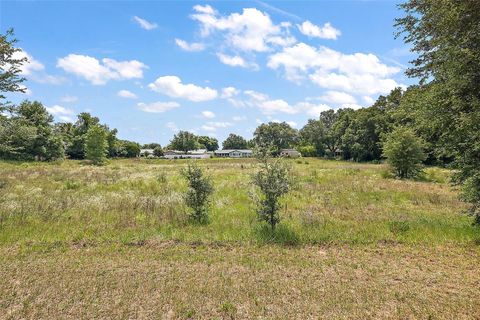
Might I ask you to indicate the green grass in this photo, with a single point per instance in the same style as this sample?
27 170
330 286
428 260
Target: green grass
83 242
131 201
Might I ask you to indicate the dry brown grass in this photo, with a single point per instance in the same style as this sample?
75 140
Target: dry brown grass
167 280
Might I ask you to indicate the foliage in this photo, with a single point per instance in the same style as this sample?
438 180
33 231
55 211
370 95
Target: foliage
209 143
128 149
234 141
152 145
10 65
27 134
445 35
273 183
404 152
199 192
158 151
307 151
96 146
184 141
313 134
275 136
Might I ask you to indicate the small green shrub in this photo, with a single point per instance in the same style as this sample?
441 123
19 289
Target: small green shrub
198 195
71 185
162 177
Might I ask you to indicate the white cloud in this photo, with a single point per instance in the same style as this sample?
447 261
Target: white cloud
99 73
32 65
208 114
292 124
337 97
312 109
126 94
325 32
357 73
144 24
213 126
157 107
69 99
368 100
192 47
62 113
251 30
267 105
236 61
229 92
172 86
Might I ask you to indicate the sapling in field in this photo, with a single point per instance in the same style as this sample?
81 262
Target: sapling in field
200 188
273 182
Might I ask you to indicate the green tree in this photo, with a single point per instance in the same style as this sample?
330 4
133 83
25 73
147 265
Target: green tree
273 183
200 188
404 152
209 143
96 145
445 35
158 151
184 141
10 65
129 149
313 134
275 136
234 141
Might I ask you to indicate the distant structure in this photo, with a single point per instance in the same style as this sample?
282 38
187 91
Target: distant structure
290 153
234 153
194 154
147 153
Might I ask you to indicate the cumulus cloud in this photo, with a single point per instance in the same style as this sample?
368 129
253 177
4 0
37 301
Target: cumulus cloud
31 65
126 94
61 113
208 114
236 61
337 97
213 126
269 106
327 31
330 69
251 30
157 107
239 118
99 73
172 86
144 24
312 109
192 47
229 92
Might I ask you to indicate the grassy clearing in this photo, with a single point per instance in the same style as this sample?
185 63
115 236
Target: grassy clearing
114 242
131 201
179 281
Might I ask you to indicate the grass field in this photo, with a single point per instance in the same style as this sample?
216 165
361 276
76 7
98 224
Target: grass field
78 241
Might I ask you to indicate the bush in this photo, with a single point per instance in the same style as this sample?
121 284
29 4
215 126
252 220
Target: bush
158 151
273 182
96 146
199 192
471 194
404 152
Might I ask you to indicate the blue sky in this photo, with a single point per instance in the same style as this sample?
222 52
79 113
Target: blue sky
152 68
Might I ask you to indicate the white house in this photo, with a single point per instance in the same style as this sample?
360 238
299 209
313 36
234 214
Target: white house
233 153
289 153
146 152
194 154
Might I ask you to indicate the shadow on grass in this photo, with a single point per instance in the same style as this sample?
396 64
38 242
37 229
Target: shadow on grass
282 235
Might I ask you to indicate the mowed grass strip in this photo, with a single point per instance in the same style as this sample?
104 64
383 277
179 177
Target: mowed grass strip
132 201
171 280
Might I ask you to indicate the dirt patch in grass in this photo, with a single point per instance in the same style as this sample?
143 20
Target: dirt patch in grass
171 280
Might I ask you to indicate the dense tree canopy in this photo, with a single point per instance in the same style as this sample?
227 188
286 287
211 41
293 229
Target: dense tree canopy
209 143
234 141
275 136
184 141
446 105
10 65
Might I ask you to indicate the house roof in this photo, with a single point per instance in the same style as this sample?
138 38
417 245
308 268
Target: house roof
232 150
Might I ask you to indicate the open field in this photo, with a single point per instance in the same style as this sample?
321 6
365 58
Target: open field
78 241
